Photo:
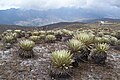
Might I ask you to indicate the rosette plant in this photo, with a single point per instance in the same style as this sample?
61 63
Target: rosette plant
0 37
87 40
117 47
67 34
50 32
42 38
4 34
61 61
26 48
18 33
28 34
99 54
9 31
35 38
102 40
8 40
113 41
58 35
50 38
100 34
74 45
23 33
42 32
117 34
35 33
113 34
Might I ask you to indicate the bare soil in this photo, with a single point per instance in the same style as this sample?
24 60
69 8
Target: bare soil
12 67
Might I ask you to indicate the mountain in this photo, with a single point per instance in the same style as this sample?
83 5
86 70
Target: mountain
100 19
30 17
60 25
40 18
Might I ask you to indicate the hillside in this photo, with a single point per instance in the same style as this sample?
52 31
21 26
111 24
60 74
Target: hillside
60 25
51 16
38 18
13 27
34 60
50 26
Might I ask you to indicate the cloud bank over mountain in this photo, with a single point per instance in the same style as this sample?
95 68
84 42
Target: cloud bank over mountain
108 8
53 4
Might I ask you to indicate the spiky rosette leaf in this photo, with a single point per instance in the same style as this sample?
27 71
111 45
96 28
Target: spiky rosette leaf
107 36
67 32
97 39
106 33
118 42
102 40
29 32
23 32
4 34
61 59
85 38
42 37
15 35
117 34
34 38
9 31
50 32
35 33
26 45
101 47
8 38
42 32
100 34
17 31
74 45
113 34
113 40
50 38
58 32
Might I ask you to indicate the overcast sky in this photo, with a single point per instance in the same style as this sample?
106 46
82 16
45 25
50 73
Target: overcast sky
112 7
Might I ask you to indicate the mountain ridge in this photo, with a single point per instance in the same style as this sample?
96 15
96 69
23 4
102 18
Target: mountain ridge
4 27
41 18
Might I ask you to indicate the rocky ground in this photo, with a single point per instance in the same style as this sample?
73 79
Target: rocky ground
12 67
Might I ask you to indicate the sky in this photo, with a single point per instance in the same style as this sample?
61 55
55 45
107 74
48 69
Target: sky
109 7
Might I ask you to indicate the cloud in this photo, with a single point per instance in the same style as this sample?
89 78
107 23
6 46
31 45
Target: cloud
40 4
52 4
108 8
104 8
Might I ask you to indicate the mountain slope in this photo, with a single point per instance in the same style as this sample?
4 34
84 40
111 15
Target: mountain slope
34 17
40 18
50 26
